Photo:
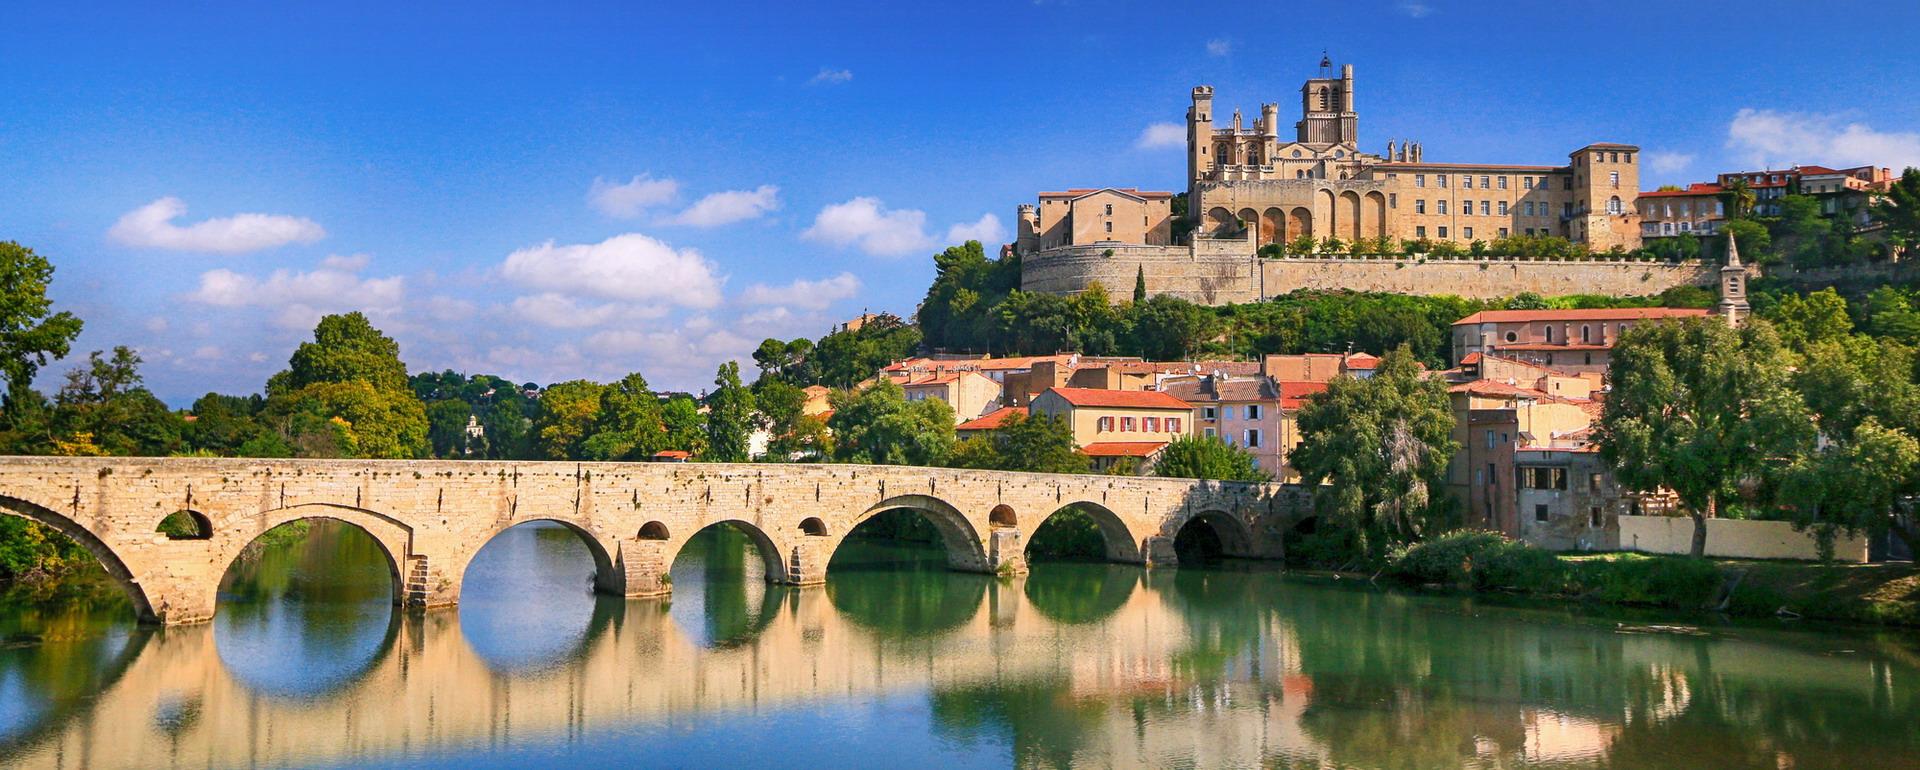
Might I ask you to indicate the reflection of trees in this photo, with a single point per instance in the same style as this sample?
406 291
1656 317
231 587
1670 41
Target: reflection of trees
902 591
61 644
1080 593
322 587
1070 534
737 604
1041 719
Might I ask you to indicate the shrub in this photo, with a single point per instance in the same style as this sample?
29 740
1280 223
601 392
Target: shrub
1448 559
1679 582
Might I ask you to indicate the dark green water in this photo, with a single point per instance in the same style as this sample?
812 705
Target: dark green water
898 663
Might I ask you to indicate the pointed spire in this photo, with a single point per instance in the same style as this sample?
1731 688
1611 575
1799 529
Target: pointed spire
1733 251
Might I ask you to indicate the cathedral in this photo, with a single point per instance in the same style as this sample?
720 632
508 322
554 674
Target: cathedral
1248 186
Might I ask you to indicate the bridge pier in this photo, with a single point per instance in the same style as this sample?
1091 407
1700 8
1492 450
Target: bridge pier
807 564
642 570
1157 551
1005 553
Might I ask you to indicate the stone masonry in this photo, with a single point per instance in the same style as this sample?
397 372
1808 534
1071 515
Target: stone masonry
432 517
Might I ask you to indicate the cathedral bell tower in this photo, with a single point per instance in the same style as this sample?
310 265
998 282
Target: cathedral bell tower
1326 108
1733 286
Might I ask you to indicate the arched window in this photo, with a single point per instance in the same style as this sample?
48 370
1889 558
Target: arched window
1613 205
1586 334
1325 100
1002 516
186 525
813 527
1549 333
653 530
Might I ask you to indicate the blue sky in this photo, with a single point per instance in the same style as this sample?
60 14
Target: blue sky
550 191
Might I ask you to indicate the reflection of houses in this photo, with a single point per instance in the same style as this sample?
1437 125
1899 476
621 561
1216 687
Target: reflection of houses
1114 425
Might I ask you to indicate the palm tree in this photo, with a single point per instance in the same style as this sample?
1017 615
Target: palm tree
1740 198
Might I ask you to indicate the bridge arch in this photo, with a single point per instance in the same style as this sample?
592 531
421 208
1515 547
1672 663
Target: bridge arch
117 568
958 535
1122 544
395 538
606 579
776 567
1236 538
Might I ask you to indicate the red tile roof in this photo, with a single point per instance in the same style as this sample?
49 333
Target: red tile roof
672 454
1362 361
1697 188
1497 389
992 420
1079 191
1591 314
1470 359
1293 395
1123 448
1133 399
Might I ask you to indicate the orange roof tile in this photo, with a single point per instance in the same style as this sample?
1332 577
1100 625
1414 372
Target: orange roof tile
1470 359
1293 395
1123 448
992 420
1136 399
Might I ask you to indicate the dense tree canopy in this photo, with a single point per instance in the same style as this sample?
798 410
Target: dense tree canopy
729 417
31 332
878 425
1207 457
1037 444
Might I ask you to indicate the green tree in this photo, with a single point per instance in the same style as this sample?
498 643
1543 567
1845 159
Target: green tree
1739 198
1900 209
1207 457
1167 328
1866 401
1699 408
345 348
106 403
447 427
346 394
1140 284
729 417
1804 320
792 434
1756 242
879 426
686 428
566 418
630 424
1036 444
31 334
1375 453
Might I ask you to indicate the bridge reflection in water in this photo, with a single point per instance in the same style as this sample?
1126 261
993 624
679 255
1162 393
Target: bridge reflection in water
1107 665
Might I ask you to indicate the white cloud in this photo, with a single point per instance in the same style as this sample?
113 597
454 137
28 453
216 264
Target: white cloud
562 312
446 309
300 298
157 324
730 206
1664 162
626 201
802 293
1769 138
1415 9
1160 136
630 267
867 223
151 226
1219 47
986 230
830 77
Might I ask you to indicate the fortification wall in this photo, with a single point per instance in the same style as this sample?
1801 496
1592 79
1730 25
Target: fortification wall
1484 278
1216 272
1212 275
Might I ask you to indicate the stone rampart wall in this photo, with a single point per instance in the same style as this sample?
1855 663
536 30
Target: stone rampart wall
1733 539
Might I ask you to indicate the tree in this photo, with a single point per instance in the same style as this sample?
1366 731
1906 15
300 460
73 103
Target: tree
1035 444
568 412
1167 328
629 425
105 408
31 334
1700 408
1207 457
879 426
447 427
729 417
1739 197
1375 452
792 433
1900 209
346 394
1140 285
1804 320
1866 401
686 428
1756 242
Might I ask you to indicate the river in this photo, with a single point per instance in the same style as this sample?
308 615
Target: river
899 663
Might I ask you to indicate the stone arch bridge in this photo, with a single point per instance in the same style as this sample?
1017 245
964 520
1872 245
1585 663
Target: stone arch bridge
432 517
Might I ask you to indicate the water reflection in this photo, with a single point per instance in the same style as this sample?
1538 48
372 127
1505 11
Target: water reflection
306 609
897 662
527 602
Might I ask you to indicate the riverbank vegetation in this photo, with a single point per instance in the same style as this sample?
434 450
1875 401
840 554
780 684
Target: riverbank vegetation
1486 562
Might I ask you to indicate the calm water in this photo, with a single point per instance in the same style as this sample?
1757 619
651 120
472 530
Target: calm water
897 663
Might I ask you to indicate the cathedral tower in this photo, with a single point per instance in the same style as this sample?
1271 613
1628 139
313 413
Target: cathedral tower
1326 108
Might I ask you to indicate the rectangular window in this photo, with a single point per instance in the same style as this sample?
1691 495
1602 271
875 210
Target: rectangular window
1483 181
1593 517
1109 209
1466 181
1593 479
1502 182
1253 411
1529 208
1420 206
1443 231
1153 424
1493 476
1440 206
1109 227
1393 200
1441 179
1503 232
1486 207
1209 413
1173 425
1540 512
1210 433
1129 424
1420 231
1105 425
1542 477
1253 437
1566 209
1419 180
1527 182
1614 177
1226 412
1503 208
1466 232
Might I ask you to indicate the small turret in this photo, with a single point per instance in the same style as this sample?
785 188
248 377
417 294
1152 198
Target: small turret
1733 286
